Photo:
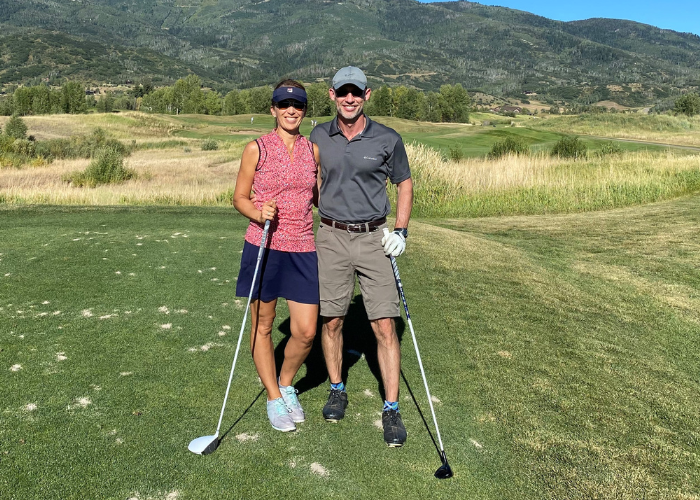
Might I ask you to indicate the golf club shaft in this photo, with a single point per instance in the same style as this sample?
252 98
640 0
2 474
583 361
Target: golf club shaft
395 267
245 317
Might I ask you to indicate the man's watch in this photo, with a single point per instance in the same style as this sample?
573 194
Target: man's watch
402 230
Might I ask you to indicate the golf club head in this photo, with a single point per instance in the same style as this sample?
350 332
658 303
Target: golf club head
444 471
204 445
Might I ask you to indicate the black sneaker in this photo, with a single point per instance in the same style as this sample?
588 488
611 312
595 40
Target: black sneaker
394 431
334 410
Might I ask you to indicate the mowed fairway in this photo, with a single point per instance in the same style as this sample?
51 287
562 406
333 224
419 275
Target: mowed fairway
562 352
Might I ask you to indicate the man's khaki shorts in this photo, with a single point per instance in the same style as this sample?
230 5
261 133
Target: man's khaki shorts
341 256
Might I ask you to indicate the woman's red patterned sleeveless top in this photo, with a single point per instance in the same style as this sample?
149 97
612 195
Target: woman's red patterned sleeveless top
291 183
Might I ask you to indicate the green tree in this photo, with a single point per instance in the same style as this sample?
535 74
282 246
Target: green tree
233 104
431 108
106 103
22 99
245 100
319 104
185 96
212 103
6 106
454 105
408 103
156 101
688 104
380 102
16 128
41 100
260 99
73 98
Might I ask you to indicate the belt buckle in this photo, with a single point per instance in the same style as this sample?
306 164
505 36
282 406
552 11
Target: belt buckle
353 228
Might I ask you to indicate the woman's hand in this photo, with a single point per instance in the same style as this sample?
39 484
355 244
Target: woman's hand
268 211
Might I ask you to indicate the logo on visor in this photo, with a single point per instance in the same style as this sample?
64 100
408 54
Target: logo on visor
290 89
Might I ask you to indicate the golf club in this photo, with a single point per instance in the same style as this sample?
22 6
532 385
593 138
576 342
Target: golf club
444 471
207 444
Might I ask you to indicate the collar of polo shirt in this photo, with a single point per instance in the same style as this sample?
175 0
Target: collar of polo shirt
367 132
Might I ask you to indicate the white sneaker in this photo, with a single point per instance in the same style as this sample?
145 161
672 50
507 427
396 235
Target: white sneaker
280 416
289 394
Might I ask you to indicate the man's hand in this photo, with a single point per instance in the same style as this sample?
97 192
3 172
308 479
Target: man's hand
394 243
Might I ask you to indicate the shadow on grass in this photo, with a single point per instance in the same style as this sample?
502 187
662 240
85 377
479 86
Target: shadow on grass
358 340
242 415
425 422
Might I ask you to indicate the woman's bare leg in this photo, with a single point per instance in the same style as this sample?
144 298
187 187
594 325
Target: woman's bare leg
302 319
263 315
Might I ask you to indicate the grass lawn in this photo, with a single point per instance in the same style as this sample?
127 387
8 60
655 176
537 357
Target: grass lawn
563 351
473 140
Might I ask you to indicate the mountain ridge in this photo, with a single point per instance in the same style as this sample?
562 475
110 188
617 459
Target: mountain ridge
239 43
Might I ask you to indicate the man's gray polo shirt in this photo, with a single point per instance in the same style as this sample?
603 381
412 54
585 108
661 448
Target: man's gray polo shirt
354 172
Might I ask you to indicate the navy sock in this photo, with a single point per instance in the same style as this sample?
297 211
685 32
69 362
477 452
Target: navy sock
391 405
340 386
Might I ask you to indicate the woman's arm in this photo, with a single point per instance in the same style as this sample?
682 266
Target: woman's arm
244 184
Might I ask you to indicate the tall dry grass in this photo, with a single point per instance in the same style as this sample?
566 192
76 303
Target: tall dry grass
512 185
164 177
542 184
664 129
129 125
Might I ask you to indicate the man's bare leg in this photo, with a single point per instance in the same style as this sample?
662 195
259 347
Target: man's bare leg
388 355
332 342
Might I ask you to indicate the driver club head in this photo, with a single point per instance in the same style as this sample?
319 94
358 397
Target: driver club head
444 471
204 445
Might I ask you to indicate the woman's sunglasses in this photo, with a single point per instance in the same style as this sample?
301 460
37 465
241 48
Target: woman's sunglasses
291 103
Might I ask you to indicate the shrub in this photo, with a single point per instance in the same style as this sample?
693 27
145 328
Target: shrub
6 144
688 104
509 146
87 146
107 167
24 147
610 148
569 147
16 128
456 153
209 145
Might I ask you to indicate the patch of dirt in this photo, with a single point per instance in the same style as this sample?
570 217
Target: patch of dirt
319 470
247 437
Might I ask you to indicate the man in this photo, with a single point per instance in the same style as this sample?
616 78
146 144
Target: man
357 157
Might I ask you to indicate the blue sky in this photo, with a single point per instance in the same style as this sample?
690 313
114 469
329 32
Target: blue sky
678 15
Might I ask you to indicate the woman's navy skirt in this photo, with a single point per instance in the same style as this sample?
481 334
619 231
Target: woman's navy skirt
291 275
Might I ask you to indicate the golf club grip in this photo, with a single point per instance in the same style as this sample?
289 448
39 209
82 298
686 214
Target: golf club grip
399 285
245 317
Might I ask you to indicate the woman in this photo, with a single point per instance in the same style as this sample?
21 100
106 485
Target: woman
280 168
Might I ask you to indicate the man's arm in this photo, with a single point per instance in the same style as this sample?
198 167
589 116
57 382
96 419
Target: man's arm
404 202
317 188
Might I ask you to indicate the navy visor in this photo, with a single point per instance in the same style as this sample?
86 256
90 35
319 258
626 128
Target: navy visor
284 93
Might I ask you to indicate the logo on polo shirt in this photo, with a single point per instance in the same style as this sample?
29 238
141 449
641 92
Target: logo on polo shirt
369 158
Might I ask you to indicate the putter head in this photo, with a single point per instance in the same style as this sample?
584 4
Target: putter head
204 445
444 471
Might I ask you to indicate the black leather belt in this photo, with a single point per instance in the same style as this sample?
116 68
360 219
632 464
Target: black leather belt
360 227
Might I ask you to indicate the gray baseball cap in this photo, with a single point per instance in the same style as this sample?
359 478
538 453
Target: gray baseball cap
350 75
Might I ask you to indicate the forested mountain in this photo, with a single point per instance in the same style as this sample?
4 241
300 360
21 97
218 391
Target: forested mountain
242 43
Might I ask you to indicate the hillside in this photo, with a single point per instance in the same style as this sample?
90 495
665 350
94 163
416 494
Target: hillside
242 43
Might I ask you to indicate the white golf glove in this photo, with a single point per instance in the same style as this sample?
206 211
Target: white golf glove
394 243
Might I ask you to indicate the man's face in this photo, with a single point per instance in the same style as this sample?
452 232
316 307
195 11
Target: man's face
349 101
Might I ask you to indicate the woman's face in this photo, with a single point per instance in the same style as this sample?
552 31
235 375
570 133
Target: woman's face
289 114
